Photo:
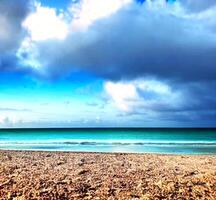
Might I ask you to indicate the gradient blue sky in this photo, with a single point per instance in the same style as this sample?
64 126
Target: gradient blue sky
81 63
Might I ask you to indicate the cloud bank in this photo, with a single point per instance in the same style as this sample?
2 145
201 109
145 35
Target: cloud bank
151 39
163 101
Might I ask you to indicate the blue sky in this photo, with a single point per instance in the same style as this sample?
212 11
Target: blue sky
107 63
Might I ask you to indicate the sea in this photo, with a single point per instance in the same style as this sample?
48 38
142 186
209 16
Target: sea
124 140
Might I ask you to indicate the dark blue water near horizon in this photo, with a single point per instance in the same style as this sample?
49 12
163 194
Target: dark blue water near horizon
130 140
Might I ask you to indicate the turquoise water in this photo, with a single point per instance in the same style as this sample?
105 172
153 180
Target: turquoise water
177 141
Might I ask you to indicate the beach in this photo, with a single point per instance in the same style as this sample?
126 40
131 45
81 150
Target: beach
70 175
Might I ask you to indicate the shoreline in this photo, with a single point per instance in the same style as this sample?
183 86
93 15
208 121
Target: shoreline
110 153
92 175
95 152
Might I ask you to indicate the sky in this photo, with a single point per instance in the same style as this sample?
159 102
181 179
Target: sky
107 63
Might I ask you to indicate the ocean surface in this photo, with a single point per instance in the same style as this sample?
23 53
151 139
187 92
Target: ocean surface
133 140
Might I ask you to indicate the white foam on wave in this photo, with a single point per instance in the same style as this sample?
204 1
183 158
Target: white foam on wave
103 142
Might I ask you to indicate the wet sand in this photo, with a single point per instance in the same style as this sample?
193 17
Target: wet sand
67 175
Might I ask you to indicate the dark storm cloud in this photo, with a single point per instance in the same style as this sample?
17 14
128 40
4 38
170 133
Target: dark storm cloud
199 106
136 42
11 33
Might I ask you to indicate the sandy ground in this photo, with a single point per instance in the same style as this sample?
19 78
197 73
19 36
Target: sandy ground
63 175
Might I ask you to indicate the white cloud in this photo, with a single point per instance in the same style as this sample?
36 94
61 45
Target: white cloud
88 11
44 24
154 86
121 94
6 121
27 47
142 95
